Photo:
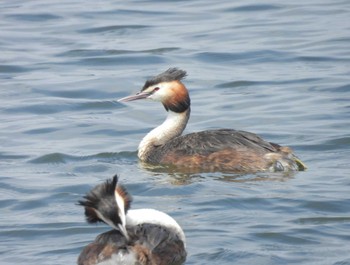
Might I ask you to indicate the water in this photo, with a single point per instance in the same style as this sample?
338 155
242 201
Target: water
277 69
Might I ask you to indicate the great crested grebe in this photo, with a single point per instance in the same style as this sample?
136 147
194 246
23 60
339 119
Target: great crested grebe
224 150
139 237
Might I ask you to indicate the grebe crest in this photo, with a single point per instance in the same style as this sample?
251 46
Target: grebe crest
108 203
225 150
140 236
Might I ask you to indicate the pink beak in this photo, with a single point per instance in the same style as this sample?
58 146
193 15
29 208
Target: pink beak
140 95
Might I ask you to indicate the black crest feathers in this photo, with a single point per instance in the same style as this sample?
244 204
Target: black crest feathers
172 74
100 203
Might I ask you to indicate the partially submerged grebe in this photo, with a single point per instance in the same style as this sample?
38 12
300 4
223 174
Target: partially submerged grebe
224 150
139 237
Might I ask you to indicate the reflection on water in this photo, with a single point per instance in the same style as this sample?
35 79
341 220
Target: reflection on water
181 176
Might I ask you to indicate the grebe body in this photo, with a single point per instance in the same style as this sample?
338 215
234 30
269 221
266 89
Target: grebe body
224 150
139 237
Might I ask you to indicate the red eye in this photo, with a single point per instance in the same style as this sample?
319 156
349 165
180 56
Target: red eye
155 89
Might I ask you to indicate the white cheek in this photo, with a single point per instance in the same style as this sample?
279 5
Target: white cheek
155 97
161 94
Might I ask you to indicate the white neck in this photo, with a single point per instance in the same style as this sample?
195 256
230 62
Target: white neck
172 127
151 216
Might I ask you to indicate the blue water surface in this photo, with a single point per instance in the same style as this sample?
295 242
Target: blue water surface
275 68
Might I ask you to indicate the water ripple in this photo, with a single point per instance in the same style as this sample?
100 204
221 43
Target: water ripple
120 29
245 83
13 69
48 108
245 57
284 238
95 52
58 158
37 17
323 220
254 8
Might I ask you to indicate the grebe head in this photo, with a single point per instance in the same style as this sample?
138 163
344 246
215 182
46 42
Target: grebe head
104 201
166 88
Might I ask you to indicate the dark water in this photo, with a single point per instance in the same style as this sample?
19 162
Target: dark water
277 69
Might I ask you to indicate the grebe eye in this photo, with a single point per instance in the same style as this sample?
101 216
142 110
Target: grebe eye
155 89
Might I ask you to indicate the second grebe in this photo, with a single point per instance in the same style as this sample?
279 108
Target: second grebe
139 237
224 150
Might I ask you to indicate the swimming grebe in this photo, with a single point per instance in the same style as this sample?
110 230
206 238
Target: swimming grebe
224 150
139 237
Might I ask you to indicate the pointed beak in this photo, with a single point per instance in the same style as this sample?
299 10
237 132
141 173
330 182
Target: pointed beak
122 229
140 95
